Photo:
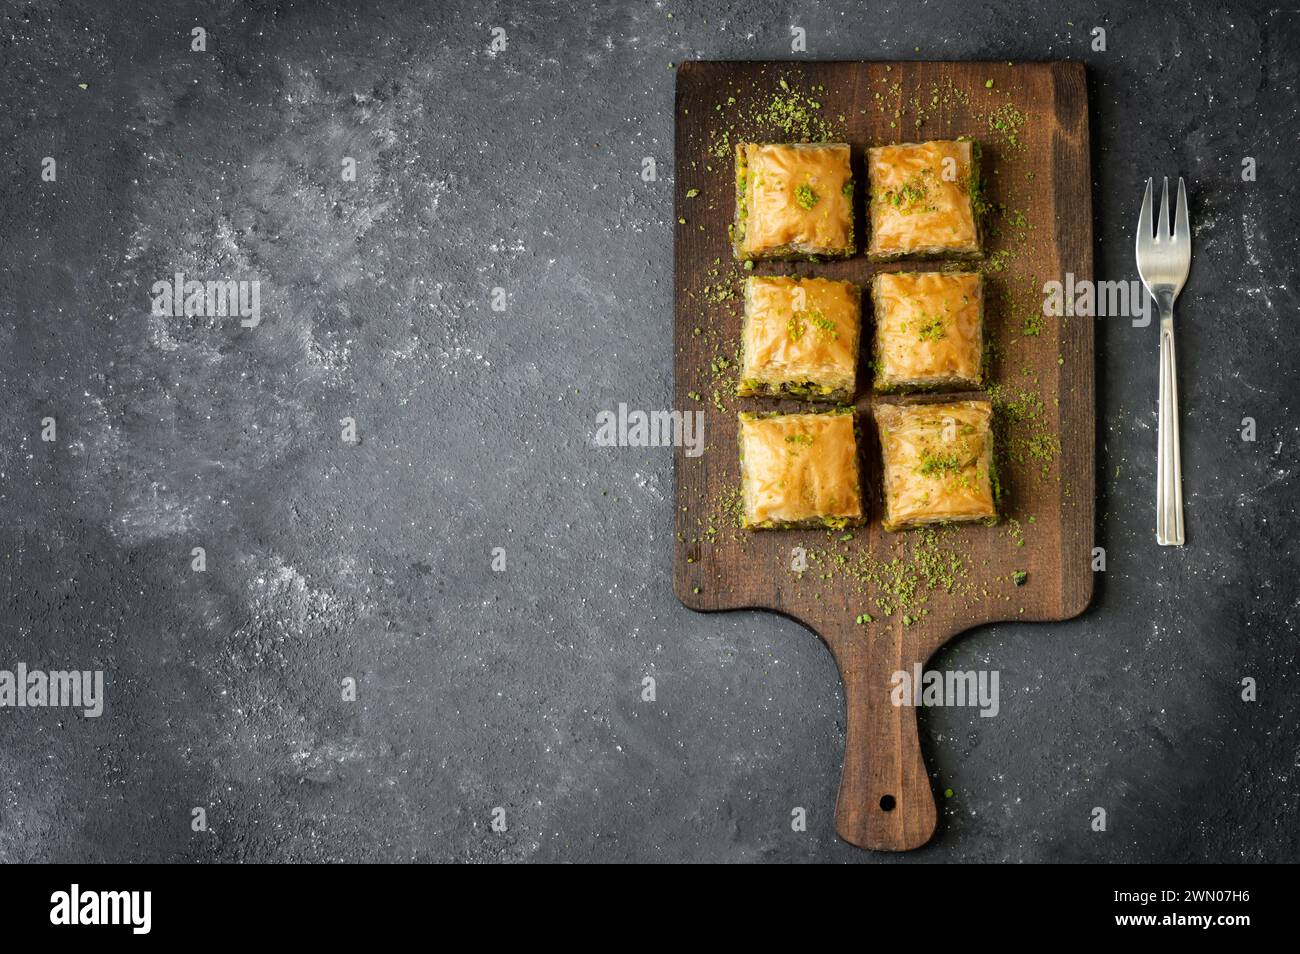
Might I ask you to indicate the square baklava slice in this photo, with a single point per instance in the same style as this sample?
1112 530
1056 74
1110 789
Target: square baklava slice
925 199
800 470
800 338
938 463
793 200
929 330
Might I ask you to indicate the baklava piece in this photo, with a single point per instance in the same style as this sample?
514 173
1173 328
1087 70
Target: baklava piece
938 463
793 200
925 199
800 470
929 330
800 338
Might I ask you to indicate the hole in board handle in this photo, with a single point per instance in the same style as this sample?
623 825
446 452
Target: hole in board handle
887 803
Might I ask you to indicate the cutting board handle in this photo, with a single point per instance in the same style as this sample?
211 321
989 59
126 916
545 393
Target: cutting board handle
885 802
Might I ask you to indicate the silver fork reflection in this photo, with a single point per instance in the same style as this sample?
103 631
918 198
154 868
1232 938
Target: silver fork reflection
1163 261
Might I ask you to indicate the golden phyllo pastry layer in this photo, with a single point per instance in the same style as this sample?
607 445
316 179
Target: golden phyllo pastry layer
800 338
924 199
938 463
800 470
793 200
929 330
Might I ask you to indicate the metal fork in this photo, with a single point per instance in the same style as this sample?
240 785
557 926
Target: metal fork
1163 261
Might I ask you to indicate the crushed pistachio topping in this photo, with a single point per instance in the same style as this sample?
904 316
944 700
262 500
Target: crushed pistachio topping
800 320
805 196
939 465
911 196
825 327
932 330
797 442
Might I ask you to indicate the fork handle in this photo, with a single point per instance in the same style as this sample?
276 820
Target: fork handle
1169 472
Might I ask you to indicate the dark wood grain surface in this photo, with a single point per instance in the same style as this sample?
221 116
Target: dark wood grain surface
1037 176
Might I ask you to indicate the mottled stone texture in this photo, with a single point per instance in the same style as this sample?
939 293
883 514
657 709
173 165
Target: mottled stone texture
521 689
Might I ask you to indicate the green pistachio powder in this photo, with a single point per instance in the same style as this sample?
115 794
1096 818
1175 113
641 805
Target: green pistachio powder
922 562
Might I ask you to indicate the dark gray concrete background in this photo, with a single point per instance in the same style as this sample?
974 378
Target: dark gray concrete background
521 689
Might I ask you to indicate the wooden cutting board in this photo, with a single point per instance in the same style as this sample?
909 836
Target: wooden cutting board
1032 121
